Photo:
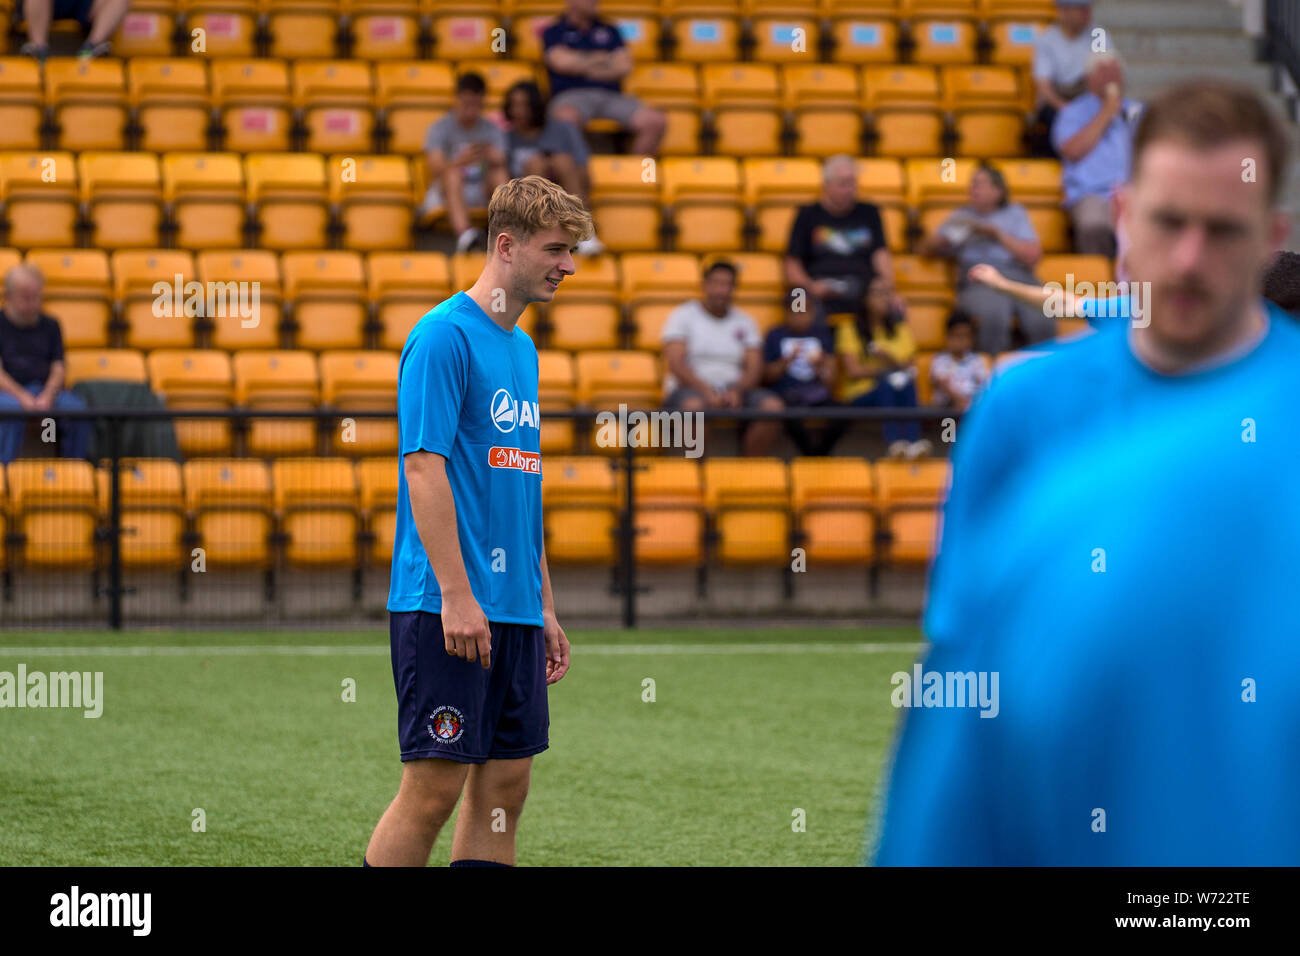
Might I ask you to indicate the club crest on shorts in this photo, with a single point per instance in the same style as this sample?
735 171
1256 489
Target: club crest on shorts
446 724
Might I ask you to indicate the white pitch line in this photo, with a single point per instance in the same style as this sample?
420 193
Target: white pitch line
343 650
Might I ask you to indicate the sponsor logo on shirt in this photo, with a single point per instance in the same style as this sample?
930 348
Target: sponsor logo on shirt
508 412
529 462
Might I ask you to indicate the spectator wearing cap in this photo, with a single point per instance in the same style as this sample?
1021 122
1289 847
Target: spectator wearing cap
1061 54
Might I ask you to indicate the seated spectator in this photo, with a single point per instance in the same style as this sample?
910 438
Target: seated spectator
1060 55
837 244
99 20
587 60
799 365
467 160
32 369
545 147
877 351
1093 135
712 352
991 230
958 373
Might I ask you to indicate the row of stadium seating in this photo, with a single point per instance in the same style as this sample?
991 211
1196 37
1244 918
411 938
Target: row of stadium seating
289 201
341 106
318 300
456 29
335 512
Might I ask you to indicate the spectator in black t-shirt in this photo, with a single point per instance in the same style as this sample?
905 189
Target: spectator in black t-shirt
837 244
32 368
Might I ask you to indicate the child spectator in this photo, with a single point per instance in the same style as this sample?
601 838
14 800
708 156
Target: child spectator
799 365
958 373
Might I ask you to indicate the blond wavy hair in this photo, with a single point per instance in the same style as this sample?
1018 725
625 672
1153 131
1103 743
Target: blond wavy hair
528 205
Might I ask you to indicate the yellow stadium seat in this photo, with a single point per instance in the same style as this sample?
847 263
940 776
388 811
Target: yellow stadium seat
256 272
749 501
88 101
526 32
674 89
862 40
744 99
760 285
229 26
846 7
579 505
281 380
1052 226
556 391
77 293
155 319
1022 9
122 193
153 511
500 75
327 289
464 37
411 96
38 193
920 274
205 195
942 182
774 189
653 284
288 192
403 286
943 41
786 39
909 495
586 313
625 203
377 495
357 381
384 29
302 28
670 515
191 380
823 99
1072 270
640 30
251 97
20 102
318 508
334 99
9 258
608 378
1013 42
938 8
375 202
169 97
703 194
903 101
52 501
834 508
989 120
146 30
700 38
927 315
229 501
102 365
1032 181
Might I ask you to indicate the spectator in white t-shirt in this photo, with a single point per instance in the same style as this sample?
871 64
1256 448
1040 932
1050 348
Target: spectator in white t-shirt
713 352
1060 56
958 372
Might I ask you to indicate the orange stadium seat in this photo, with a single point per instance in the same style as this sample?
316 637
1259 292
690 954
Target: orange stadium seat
1013 42
670 514
318 509
229 501
1031 9
833 506
301 28
748 499
880 181
204 193
105 365
985 101
410 97
937 8
1070 271
375 202
823 100
146 30
258 274
774 189
526 33
288 193
170 102
909 496
251 98
586 314
760 285
21 110
927 286
579 504
936 186
334 99
465 36
284 381
744 100
38 194
327 289
704 38
653 284
608 378
625 202
943 41
1036 183
556 390
640 31
77 293
674 89
903 101
122 193
403 286
703 196
500 75
192 380
786 39
384 29
153 511
152 320
10 258
377 496
229 26
862 40
54 510
88 100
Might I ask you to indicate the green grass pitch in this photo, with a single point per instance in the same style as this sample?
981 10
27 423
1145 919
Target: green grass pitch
286 772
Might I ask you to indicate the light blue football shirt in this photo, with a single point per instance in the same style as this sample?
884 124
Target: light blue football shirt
1122 548
467 390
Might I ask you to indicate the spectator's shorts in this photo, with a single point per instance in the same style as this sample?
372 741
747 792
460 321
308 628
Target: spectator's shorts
452 708
475 197
593 102
78 10
752 398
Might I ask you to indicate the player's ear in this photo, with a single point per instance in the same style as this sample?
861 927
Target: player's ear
1279 229
1120 203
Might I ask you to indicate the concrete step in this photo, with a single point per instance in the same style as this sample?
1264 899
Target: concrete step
1181 46
1160 15
1143 79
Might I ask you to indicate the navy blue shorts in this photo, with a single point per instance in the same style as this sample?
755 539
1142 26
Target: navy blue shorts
452 708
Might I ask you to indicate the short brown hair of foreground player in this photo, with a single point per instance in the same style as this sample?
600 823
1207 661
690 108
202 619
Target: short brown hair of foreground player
532 204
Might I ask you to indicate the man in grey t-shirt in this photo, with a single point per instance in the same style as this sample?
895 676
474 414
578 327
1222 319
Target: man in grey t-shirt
467 160
1060 54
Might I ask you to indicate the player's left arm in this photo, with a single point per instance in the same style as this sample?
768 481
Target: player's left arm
557 644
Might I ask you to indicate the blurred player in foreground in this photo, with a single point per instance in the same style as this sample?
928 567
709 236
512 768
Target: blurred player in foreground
1119 553
474 637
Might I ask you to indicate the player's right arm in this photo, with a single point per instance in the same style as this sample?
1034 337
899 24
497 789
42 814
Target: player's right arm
465 628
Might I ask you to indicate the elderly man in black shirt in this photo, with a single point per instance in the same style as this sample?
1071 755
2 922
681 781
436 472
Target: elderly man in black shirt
32 368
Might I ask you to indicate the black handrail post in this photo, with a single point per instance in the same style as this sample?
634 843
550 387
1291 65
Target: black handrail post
115 426
628 544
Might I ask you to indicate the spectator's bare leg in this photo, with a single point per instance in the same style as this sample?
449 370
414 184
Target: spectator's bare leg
453 194
564 170
535 165
566 113
494 176
105 16
761 436
1094 234
649 125
38 14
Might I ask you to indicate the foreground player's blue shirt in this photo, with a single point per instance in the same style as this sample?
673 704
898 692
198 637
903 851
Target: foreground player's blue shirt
467 390
1121 690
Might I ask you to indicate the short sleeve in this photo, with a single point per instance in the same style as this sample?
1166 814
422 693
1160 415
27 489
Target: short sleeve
1019 223
877 227
1068 122
552 34
1043 68
496 137
800 234
828 342
676 326
436 139
56 341
941 366
772 345
616 37
431 388
752 338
